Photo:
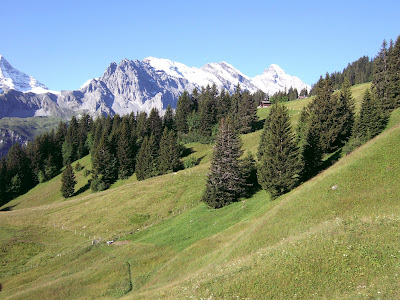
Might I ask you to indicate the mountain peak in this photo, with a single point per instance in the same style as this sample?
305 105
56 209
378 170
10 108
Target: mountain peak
275 68
11 78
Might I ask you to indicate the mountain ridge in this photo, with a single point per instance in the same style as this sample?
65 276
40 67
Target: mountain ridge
132 86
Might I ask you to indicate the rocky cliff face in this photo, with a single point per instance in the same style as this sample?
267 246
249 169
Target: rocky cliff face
8 138
22 105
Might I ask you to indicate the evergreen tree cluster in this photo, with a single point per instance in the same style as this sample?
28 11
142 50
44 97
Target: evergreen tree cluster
357 72
198 115
43 158
288 95
383 97
326 125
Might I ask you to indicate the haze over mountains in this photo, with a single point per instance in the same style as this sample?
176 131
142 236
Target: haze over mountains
130 86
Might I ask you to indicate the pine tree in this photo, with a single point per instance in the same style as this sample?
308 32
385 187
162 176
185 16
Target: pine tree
72 140
225 182
280 164
85 124
50 168
141 125
372 119
168 120
169 153
247 113
223 105
3 181
236 98
19 170
248 169
345 115
207 113
125 151
329 114
105 164
311 150
380 82
154 124
182 112
394 75
146 163
68 182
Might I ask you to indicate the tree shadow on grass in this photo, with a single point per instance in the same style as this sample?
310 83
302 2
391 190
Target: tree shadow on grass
82 189
258 125
8 208
186 151
332 159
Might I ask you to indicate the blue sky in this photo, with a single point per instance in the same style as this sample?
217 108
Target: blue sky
65 43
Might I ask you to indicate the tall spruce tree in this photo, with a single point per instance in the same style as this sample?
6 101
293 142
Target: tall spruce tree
248 168
125 151
311 150
19 170
328 115
168 120
380 82
182 112
154 124
345 114
105 164
247 113
3 181
68 182
236 99
146 163
207 112
141 125
224 182
372 119
394 75
70 149
169 152
280 163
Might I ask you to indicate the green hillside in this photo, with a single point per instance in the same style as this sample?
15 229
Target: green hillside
314 242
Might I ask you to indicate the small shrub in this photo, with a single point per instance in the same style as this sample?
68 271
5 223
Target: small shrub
191 162
86 173
41 177
78 167
353 144
97 185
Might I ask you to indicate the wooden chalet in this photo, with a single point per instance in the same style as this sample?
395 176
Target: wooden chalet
265 103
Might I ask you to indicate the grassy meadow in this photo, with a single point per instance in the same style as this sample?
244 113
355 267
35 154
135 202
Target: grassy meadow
314 242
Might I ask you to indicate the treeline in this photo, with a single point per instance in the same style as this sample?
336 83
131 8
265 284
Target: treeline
149 145
357 72
327 125
288 95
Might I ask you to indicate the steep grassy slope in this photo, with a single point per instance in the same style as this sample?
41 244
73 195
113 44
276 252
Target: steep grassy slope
339 243
316 241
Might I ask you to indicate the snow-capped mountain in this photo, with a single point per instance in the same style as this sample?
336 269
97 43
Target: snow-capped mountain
130 86
12 79
225 76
